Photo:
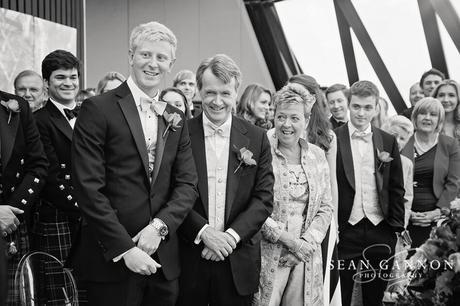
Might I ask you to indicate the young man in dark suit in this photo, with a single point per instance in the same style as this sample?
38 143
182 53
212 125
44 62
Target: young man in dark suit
371 203
337 97
220 251
23 167
135 181
58 214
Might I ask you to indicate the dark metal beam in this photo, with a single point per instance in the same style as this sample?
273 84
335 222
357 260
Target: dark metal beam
449 18
372 54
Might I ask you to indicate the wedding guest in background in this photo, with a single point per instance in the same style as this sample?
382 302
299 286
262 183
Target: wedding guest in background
58 213
135 181
185 80
29 85
23 167
447 92
221 235
415 94
292 270
371 203
430 79
337 101
254 105
382 113
84 94
436 159
175 97
402 128
110 81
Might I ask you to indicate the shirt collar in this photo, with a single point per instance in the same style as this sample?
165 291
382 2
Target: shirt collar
61 107
352 128
209 127
138 94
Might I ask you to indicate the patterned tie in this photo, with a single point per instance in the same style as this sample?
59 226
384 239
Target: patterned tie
366 137
71 113
150 103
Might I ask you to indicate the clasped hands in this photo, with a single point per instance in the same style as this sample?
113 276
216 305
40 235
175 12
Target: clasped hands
138 259
424 219
218 245
299 249
8 220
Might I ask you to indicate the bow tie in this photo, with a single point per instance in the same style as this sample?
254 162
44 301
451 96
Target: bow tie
366 137
71 113
149 103
211 130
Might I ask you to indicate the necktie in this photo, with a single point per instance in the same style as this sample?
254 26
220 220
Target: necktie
149 103
366 137
71 113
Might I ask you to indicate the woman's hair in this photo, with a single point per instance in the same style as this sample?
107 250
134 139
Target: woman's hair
112 75
188 113
400 121
248 98
183 75
456 86
429 104
319 128
382 115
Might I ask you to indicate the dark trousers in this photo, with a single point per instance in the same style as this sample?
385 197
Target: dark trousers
3 273
213 286
136 290
372 247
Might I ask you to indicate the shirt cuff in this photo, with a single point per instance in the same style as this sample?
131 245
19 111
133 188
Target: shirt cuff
117 259
233 234
198 236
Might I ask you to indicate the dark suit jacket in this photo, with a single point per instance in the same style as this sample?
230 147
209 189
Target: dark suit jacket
249 201
446 176
335 124
56 136
389 177
111 180
23 160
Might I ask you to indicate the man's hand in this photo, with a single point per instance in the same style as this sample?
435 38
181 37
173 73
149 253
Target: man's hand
140 262
221 243
8 220
209 255
148 239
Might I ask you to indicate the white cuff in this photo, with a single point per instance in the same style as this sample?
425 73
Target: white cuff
116 259
233 234
198 236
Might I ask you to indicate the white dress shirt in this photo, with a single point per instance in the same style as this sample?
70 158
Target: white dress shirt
217 147
61 108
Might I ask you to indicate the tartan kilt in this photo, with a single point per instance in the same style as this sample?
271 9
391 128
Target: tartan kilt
55 238
21 239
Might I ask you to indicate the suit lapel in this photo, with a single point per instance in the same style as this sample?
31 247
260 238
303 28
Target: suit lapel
238 140
378 147
345 152
58 119
8 134
160 147
129 109
199 150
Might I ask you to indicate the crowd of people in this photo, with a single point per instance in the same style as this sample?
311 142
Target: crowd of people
190 196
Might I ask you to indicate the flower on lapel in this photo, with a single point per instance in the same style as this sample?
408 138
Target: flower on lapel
173 120
12 106
384 157
245 158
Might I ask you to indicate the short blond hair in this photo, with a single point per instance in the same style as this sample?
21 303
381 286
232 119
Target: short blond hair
400 121
429 104
152 31
294 93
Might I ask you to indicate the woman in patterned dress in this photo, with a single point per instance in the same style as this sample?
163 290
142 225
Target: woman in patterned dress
292 272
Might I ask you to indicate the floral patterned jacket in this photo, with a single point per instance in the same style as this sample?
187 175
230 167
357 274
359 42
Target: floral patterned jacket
317 220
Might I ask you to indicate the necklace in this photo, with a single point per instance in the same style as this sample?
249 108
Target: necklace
422 148
297 188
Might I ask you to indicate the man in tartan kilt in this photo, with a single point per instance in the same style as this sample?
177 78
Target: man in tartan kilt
58 214
23 166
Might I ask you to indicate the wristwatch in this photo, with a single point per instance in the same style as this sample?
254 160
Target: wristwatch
160 226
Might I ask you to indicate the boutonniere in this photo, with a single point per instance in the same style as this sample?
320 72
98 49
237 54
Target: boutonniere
245 158
173 120
12 106
384 157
